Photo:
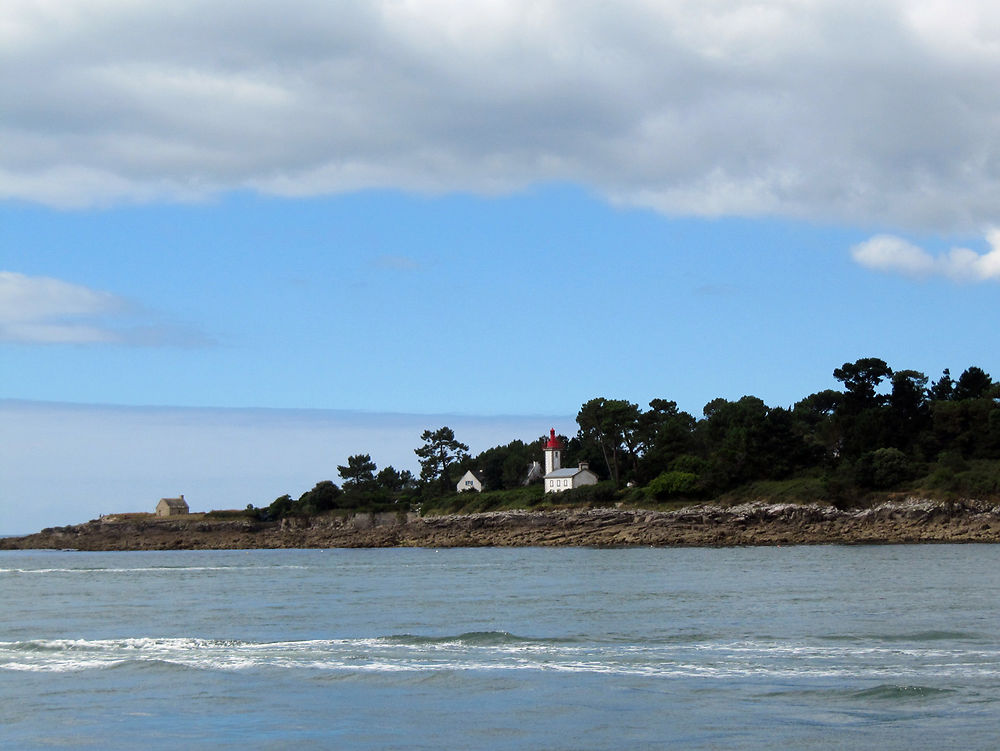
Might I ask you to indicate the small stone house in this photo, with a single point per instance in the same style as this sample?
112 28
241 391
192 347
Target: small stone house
172 507
471 480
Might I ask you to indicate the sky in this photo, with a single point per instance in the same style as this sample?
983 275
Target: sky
240 243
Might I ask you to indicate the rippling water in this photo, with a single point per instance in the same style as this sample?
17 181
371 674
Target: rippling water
801 647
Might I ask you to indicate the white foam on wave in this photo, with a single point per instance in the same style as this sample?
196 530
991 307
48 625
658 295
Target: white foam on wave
139 569
382 654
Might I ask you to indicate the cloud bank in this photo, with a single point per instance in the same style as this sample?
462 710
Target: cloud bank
891 254
43 310
881 111
65 464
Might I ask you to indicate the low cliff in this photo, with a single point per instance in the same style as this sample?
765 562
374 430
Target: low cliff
908 521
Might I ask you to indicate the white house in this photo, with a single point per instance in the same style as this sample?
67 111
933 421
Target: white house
471 480
569 478
558 479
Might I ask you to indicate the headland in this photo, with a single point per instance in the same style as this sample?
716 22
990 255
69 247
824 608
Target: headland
909 520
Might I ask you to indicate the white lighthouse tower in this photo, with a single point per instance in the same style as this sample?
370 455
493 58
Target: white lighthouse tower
553 453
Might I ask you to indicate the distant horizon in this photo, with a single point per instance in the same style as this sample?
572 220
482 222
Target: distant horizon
101 459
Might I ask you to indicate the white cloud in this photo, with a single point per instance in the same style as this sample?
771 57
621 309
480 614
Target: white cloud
892 254
880 111
43 310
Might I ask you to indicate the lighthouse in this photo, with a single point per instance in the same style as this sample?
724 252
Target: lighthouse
553 453
556 478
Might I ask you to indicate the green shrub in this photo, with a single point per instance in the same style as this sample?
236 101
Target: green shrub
883 469
981 479
634 496
952 460
601 494
493 500
672 484
688 463
248 513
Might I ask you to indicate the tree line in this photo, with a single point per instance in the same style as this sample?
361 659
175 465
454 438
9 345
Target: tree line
883 429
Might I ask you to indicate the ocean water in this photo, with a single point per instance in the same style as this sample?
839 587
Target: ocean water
827 647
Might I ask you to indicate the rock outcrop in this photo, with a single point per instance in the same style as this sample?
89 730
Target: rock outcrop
910 521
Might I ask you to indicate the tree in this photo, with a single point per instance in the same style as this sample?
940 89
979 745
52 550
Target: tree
862 423
280 507
664 433
814 419
974 383
729 433
909 392
861 379
439 452
908 407
359 474
393 481
322 497
942 390
611 425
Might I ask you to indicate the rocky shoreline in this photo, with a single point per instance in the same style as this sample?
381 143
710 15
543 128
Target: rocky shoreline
909 521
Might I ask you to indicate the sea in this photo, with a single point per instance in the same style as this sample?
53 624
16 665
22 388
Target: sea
801 647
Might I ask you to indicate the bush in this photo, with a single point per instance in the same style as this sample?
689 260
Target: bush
601 494
688 463
883 469
634 496
982 479
493 500
672 484
952 461
248 513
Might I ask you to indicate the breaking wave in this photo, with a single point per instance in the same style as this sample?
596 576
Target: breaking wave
893 692
503 651
136 569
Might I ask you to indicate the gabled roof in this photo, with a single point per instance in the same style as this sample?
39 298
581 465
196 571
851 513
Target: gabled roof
478 474
174 502
566 472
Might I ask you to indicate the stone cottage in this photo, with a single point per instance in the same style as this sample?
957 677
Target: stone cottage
172 507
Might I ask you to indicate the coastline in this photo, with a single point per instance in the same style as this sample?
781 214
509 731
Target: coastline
749 524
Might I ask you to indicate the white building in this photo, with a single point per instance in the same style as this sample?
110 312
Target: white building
558 479
471 480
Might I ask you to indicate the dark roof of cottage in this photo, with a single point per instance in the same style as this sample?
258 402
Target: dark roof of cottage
174 502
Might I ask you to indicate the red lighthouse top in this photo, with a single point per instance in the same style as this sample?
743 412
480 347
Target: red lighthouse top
553 441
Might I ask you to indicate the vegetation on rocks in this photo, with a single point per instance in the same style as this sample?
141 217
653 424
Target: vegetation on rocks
891 457
884 432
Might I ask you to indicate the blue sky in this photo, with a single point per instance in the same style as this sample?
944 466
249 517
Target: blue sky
487 211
